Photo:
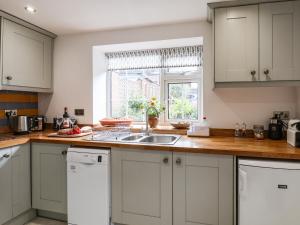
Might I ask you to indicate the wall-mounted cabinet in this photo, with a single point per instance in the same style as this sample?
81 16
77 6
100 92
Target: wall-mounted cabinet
279 41
26 57
236 43
258 43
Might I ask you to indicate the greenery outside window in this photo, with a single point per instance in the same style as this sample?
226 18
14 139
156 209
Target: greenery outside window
172 76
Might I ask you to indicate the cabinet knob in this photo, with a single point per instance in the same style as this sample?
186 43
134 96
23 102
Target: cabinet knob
166 160
253 72
9 77
178 161
266 72
64 152
5 156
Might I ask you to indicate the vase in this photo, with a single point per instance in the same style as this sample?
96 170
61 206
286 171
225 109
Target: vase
153 121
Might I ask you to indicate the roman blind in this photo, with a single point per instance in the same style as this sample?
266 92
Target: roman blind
188 56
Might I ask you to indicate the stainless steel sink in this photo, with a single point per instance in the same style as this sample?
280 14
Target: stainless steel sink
160 139
135 138
132 138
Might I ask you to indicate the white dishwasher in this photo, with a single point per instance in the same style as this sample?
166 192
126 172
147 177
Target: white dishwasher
269 192
88 189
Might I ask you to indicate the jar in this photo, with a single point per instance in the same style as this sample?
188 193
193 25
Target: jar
258 132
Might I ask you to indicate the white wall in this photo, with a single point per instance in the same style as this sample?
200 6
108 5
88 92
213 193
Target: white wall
73 77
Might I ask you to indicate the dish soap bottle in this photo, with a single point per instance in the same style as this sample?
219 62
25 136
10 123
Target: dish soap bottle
204 130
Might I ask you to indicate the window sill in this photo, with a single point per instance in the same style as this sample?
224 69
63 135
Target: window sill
140 128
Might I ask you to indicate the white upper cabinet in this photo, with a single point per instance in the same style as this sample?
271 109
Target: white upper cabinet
258 43
26 57
236 44
280 41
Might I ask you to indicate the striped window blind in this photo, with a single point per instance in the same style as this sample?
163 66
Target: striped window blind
188 56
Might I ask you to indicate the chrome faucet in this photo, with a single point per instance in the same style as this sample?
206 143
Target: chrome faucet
147 117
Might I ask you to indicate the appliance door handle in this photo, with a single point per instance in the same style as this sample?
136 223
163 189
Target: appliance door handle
242 182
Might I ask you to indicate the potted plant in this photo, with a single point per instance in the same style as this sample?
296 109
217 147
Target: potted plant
154 109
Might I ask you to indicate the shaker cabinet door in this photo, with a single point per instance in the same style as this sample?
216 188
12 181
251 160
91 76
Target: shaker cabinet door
21 185
280 41
26 57
236 44
49 177
202 189
141 187
5 185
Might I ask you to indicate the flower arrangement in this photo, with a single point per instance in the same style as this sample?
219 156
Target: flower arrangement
154 103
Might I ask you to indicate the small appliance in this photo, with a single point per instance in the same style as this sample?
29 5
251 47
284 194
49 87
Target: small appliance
293 133
19 124
275 129
38 123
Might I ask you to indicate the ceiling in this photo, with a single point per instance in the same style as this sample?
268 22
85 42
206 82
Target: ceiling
77 16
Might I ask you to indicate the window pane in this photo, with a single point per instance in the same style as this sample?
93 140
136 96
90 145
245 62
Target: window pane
183 70
130 89
183 101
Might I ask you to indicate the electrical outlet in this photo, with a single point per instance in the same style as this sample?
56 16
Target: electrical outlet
284 115
79 112
11 112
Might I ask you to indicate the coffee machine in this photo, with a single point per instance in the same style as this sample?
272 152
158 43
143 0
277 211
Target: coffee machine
276 128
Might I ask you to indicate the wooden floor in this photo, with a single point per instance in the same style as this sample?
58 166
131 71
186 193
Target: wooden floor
43 221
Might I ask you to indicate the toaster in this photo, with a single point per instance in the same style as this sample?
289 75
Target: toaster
293 133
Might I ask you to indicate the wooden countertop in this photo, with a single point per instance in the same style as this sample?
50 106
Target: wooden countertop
212 145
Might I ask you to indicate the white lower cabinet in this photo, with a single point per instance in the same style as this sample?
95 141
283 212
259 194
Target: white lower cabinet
49 177
202 189
21 183
161 188
141 187
15 194
5 185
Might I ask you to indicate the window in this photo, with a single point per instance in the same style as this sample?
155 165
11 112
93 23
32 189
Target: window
173 76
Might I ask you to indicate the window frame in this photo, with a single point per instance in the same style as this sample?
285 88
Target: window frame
166 78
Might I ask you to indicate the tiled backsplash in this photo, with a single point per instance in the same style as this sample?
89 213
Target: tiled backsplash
25 102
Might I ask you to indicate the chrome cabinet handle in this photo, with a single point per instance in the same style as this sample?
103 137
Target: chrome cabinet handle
253 72
9 77
166 160
266 72
178 161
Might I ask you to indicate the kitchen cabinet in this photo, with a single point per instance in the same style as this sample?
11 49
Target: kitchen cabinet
141 187
26 58
5 185
21 182
280 41
258 43
15 194
202 189
49 177
236 44
171 188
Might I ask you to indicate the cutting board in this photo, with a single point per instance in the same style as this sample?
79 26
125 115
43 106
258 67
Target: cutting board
69 136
